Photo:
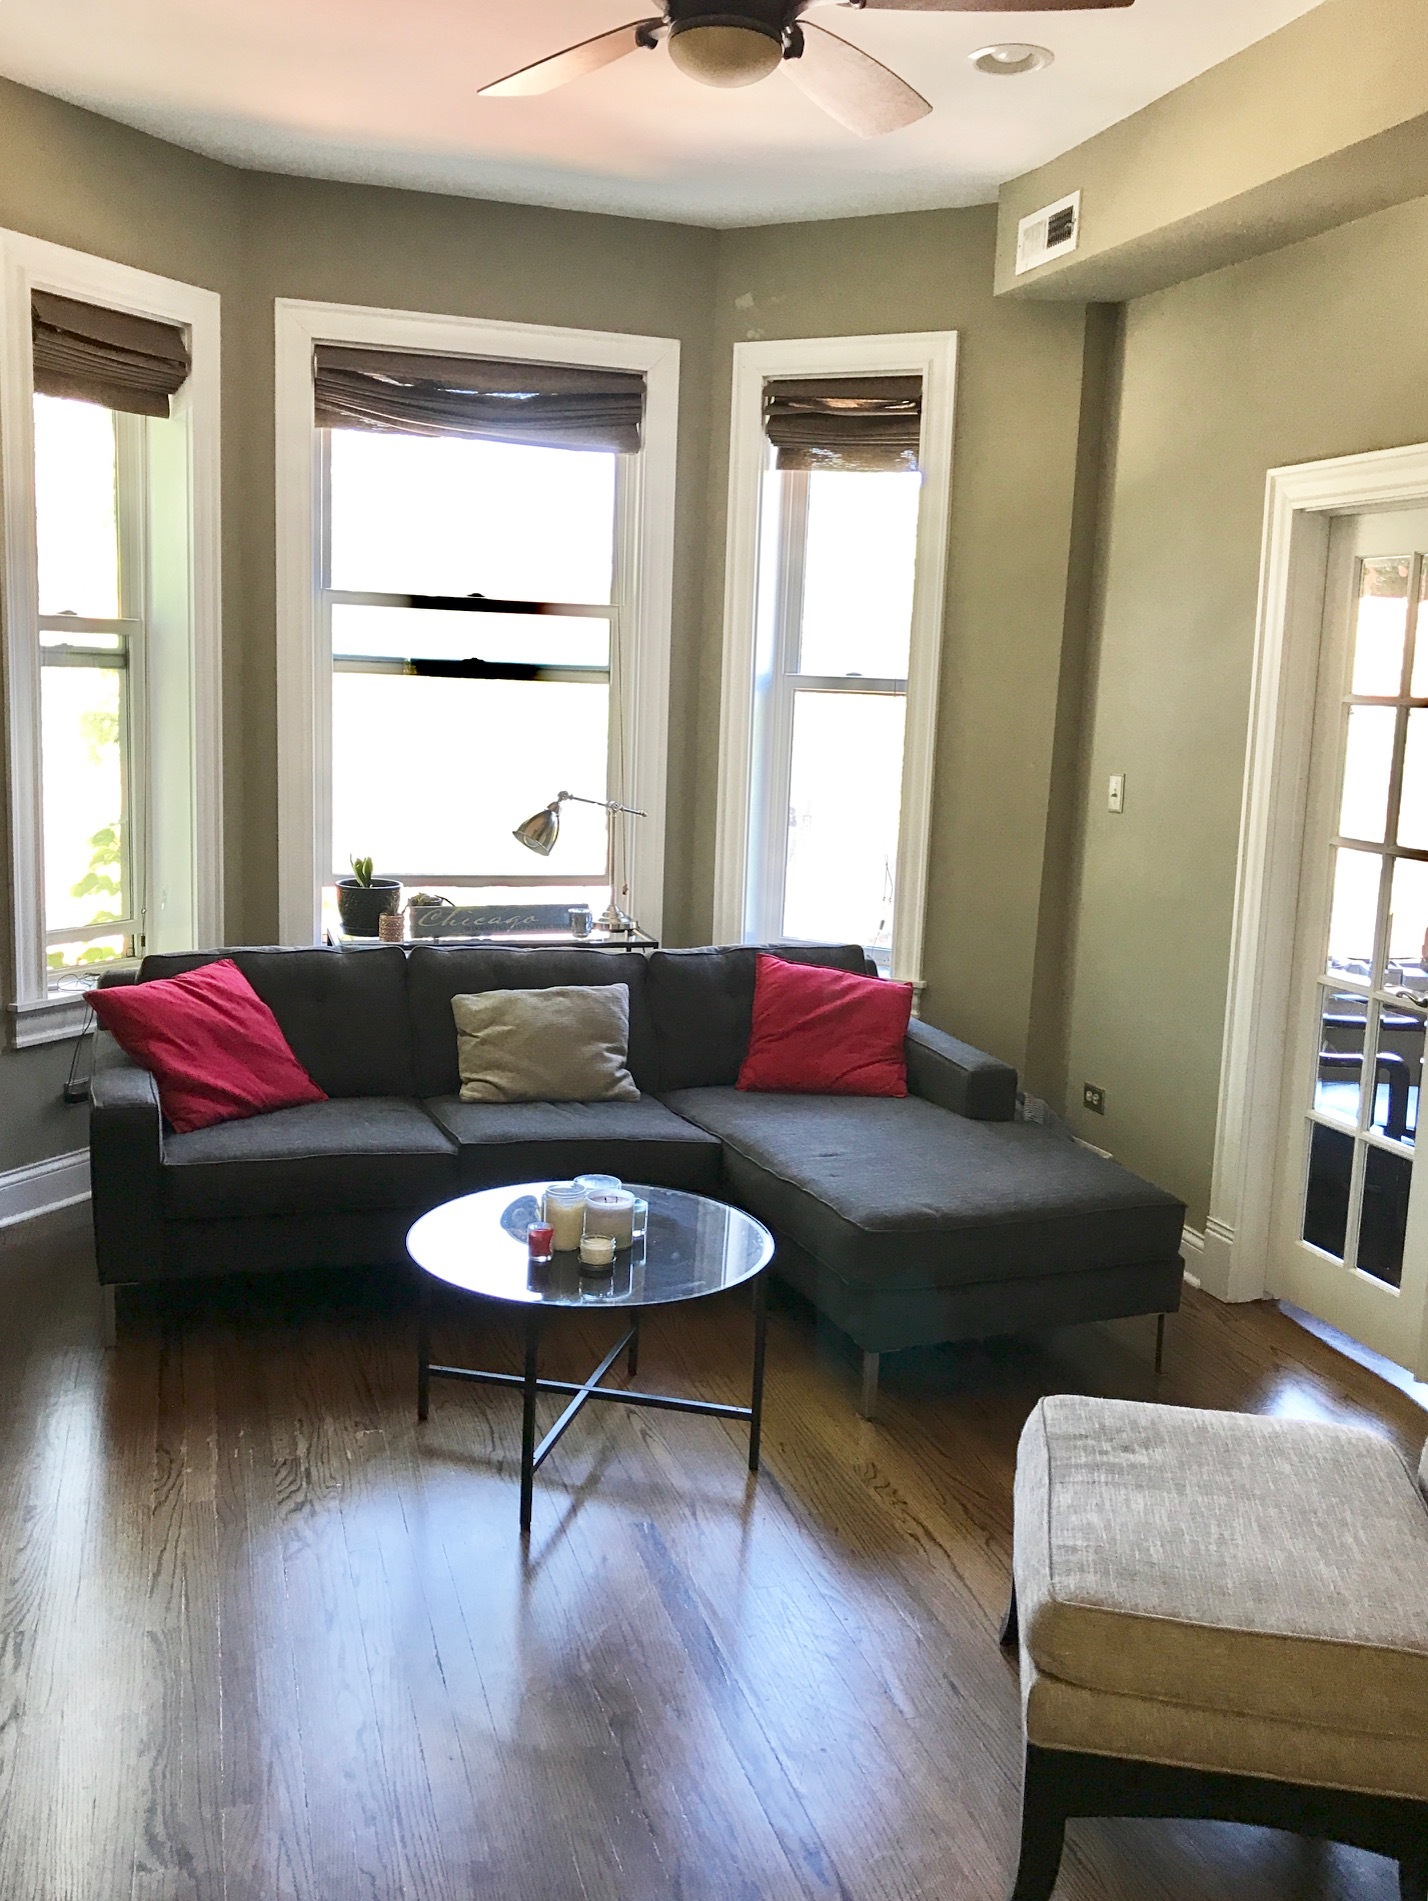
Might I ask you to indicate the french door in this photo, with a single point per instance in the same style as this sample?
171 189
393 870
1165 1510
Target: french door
1350 1226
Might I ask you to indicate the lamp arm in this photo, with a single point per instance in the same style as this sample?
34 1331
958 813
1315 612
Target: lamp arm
608 805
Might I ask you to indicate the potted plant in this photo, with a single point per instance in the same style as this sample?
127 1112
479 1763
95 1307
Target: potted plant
362 900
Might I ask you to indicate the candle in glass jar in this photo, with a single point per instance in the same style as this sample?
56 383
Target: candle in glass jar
598 1251
611 1211
564 1208
540 1239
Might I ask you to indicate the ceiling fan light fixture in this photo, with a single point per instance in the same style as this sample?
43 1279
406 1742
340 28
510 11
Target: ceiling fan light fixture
724 53
1011 58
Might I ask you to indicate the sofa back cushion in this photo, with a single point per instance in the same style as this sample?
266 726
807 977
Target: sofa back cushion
438 972
702 1002
344 1013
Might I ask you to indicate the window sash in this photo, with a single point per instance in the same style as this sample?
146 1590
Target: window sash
407 665
778 684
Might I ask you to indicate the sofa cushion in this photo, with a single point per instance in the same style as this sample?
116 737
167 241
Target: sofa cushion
826 1032
1263 1568
899 1193
325 1157
438 972
640 1141
344 1013
702 1005
565 1043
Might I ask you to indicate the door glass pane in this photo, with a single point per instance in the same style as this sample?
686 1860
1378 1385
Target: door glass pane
859 567
437 515
1408 924
1368 766
1387 1179
76 518
1326 1200
1381 626
404 633
1343 1021
845 794
1353 914
432 776
1413 804
1399 1073
81 710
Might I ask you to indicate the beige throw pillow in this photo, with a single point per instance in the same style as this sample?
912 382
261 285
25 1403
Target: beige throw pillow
569 1043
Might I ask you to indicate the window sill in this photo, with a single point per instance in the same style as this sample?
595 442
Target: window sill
54 1019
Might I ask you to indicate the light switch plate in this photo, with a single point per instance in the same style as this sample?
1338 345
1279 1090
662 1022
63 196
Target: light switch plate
1116 793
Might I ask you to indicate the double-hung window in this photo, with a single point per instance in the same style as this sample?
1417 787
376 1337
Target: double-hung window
473 598
109 435
838 501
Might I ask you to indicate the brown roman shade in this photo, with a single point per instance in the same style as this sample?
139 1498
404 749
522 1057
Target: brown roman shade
106 356
844 422
548 405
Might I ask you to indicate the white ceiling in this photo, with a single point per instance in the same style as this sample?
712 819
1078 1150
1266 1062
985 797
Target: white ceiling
384 91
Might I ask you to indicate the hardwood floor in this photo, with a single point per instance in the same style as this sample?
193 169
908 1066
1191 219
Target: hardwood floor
263 1636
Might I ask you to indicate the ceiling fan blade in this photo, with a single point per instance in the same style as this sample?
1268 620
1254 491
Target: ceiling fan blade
851 86
588 56
990 6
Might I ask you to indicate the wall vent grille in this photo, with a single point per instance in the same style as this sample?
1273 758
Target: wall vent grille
1048 233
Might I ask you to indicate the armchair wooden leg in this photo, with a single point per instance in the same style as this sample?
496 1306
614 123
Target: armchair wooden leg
1009 1633
1043 1833
868 1394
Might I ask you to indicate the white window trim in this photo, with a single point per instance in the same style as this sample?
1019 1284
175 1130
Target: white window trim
933 356
1300 503
645 528
28 264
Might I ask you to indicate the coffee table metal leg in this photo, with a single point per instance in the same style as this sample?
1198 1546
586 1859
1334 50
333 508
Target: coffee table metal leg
756 1402
424 1348
632 1364
528 1415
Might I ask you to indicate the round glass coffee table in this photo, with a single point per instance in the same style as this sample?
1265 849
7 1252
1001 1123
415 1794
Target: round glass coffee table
694 1247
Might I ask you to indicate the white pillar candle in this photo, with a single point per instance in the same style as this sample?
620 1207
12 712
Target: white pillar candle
611 1211
564 1208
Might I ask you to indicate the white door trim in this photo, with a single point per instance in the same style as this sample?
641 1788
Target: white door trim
931 354
304 668
1299 504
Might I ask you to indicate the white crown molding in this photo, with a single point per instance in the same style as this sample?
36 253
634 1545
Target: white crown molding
933 356
42 1187
645 532
1300 502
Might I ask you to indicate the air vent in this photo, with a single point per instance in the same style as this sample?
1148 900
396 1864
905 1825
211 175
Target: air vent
1048 233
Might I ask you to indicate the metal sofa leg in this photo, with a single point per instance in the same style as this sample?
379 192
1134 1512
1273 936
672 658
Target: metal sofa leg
1159 1343
108 1334
1043 1832
868 1396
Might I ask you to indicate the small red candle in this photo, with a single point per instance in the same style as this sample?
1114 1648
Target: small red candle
540 1238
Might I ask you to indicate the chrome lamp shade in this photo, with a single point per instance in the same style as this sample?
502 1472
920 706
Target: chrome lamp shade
539 832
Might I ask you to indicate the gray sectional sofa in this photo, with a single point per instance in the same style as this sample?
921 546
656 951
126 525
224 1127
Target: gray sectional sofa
907 1221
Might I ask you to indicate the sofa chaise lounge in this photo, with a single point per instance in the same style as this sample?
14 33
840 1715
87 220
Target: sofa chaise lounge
907 1221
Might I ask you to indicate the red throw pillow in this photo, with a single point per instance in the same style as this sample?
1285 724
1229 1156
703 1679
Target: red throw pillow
213 1045
826 1032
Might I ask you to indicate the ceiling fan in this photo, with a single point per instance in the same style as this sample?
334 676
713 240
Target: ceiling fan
736 42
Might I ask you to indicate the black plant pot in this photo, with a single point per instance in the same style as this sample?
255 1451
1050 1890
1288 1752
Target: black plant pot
362 906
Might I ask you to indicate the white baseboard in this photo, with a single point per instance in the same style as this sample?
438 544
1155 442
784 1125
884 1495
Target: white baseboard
1192 1246
57 1182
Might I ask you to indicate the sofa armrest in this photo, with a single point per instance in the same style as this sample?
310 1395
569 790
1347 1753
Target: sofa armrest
955 1076
126 1152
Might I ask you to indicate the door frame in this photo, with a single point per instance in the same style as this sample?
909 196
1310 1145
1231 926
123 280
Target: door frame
1300 502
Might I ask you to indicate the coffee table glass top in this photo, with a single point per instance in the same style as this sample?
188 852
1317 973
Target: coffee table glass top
693 1247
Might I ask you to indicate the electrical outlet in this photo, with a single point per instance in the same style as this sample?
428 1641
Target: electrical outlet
1093 1098
1116 793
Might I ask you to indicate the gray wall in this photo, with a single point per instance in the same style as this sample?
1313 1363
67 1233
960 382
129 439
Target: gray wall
1316 350
80 180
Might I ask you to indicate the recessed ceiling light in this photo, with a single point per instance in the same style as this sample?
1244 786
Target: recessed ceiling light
1010 59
